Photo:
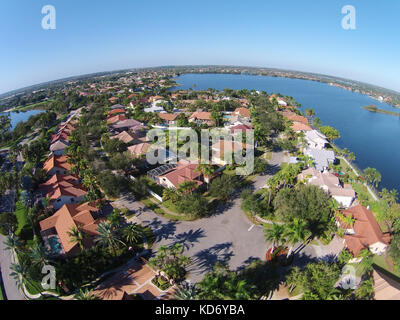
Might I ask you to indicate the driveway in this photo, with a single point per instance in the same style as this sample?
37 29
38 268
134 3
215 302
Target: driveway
276 161
12 291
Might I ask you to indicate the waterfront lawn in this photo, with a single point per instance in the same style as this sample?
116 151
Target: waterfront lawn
386 264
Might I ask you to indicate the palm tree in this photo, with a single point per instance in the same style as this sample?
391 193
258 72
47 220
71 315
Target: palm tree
38 255
276 234
77 236
12 243
133 233
22 273
187 187
86 294
186 292
108 237
207 170
295 232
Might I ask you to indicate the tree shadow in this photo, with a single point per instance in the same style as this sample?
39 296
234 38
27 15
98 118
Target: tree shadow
205 260
187 239
161 230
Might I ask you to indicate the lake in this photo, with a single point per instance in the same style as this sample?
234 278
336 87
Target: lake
373 137
17 117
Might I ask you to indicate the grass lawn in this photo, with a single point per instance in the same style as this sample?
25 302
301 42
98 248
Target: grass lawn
157 209
382 262
22 218
1 291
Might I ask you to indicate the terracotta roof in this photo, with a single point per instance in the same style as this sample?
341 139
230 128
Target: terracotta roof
59 145
116 119
294 117
57 162
59 136
139 149
182 174
229 147
244 112
168 116
298 126
116 111
366 228
240 127
201 115
124 137
67 217
59 185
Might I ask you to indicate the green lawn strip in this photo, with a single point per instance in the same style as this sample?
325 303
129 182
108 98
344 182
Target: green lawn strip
22 217
381 262
157 209
1 290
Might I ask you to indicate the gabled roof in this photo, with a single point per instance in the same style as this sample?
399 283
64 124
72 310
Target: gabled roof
124 137
243 112
366 228
294 117
168 116
62 185
139 149
67 217
298 126
116 111
59 136
240 128
128 123
201 115
116 119
57 162
182 174
59 145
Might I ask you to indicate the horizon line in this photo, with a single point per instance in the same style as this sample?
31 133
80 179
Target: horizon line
190 65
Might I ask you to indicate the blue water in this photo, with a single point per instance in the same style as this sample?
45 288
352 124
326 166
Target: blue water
21 116
373 137
55 245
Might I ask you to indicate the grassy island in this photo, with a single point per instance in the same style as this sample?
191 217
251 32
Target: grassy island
373 108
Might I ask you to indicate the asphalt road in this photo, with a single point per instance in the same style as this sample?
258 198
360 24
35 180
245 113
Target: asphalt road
12 291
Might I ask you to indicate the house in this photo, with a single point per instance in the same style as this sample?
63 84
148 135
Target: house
58 147
127 125
115 112
185 171
365 232
299 126
117 106
124 137
116 119
294 117
55 229
222 148
62 189
242 112
316 140
168 118
201 117
113 99
154 109
139 149
155 98
344 195
59 136
240 128
322 158
57 165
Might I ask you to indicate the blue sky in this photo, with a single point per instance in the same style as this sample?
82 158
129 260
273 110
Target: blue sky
93 36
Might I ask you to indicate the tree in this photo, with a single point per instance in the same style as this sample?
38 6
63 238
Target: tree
330 133
308 203
310 112
295 232
22 273
8 223
187 187
86 294
132 233
78 237
12 243
172 261
276 235
186 291
260 165
38 255
222 187
317 280
108 237
207 170
372 176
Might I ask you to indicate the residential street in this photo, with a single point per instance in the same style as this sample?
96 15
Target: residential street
227 236
12 291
